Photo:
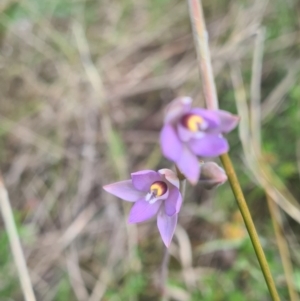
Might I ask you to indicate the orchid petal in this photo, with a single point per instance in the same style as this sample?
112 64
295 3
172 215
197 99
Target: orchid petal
177 108
164 196
211 117
185 134
188 164
124 190
170 176
166 226
142 180
173 202
142 211
170 143
228 121
209 146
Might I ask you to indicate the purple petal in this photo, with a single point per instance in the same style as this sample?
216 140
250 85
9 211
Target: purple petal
164 196
173 202
177 108
209 146
170 176
166 226
142 211
188 164
170 144
124 190
142 180
185 134
211 117
228 121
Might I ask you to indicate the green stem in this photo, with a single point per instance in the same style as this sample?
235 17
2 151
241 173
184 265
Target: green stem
206 71
238 193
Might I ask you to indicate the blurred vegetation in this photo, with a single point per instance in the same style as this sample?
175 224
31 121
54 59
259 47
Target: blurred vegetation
62 139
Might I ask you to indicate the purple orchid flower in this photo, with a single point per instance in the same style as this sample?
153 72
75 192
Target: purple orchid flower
190 132
153 193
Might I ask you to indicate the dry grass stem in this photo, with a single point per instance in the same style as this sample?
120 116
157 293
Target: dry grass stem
264 175
75 275
15 244
164 275
255 136
282 247
186 257
255 108
256 164
203 53
275 99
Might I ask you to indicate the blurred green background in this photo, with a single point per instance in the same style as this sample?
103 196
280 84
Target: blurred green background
83 84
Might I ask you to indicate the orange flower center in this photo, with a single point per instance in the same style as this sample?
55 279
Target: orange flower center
158 188
192 122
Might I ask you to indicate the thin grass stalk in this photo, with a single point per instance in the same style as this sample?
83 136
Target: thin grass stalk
256 165
282 246
164 274
252 161
255 136
255 109
203 53
110 136
15 244
265 176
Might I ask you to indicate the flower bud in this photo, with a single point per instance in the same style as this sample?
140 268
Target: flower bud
212 175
